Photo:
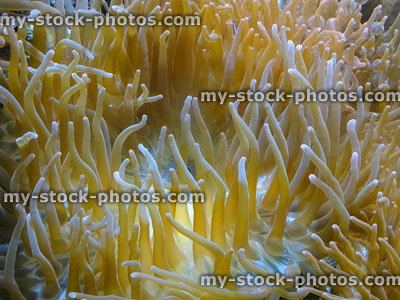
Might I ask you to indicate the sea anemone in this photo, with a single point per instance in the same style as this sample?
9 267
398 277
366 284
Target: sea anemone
290 188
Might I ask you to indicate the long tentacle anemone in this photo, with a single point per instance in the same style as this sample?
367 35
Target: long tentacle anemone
290 188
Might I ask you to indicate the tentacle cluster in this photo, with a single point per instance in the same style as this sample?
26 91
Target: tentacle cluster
289 187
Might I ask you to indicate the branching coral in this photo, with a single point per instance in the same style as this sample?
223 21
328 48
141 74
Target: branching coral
287 186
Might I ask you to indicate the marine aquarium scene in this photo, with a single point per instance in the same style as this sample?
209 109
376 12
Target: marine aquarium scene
199 150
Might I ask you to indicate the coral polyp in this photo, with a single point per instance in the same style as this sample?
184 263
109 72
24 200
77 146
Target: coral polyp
290 187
